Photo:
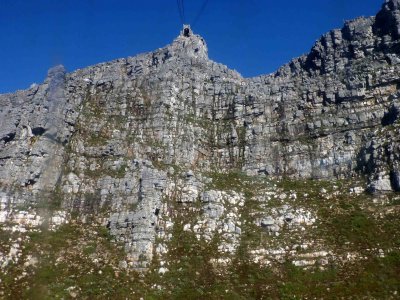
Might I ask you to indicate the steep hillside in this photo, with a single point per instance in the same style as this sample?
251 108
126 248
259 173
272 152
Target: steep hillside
170 172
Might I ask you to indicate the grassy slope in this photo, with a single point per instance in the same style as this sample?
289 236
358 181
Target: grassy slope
81 259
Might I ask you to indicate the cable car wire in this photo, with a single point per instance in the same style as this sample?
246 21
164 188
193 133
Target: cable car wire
203 7
178 2
181 9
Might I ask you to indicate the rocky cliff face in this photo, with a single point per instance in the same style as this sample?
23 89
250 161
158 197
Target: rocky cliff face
311 119
137 143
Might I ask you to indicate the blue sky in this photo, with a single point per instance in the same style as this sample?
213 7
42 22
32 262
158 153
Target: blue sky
251 36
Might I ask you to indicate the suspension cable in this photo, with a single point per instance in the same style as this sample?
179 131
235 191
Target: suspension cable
179 3
181 9
201 11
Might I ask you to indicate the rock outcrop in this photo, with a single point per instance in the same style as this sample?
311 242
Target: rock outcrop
128 139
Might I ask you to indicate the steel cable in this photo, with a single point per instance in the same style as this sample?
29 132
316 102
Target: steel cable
203 7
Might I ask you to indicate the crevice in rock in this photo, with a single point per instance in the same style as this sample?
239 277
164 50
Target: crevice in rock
395 180
8 138
38 131
30 182
390 116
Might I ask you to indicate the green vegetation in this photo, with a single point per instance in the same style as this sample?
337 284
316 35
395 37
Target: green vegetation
73 259
97 139
50 202
237 181
192 275
82 259
119 172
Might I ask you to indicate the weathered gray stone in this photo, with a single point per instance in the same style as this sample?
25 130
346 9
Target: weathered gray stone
381 184
104 136
268 221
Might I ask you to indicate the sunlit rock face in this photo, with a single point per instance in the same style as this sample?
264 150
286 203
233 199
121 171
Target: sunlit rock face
127 139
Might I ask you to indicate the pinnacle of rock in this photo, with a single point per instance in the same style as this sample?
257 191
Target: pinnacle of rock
189 44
